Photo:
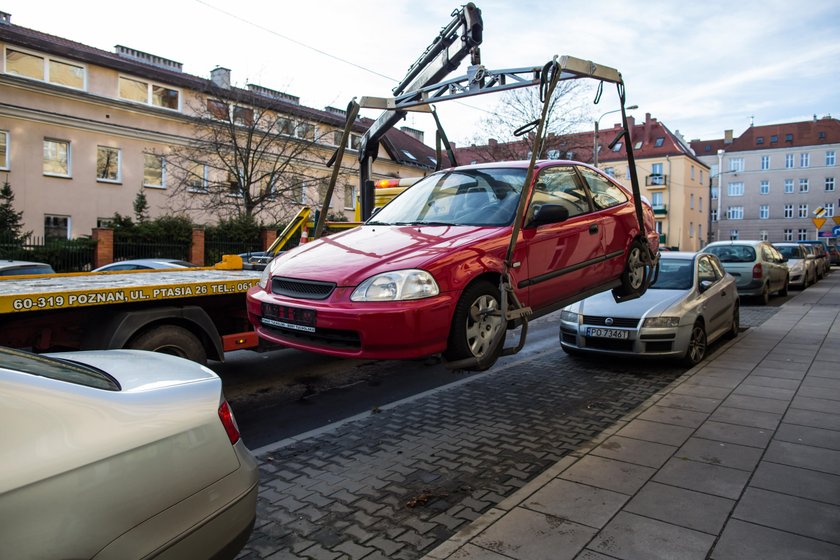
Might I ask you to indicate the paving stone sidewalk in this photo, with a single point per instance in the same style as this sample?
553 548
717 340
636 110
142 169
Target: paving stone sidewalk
738 459
397 483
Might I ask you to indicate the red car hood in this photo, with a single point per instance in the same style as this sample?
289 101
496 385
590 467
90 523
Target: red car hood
350 257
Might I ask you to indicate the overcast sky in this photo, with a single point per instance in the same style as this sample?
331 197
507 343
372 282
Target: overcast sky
698 67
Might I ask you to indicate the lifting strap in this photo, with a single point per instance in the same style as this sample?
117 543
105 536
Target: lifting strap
335 162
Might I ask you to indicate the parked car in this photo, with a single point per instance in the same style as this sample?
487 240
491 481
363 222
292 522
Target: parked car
801 264
20 268
834 255
144 264
821 255
422 276
120 454
759 269
692 303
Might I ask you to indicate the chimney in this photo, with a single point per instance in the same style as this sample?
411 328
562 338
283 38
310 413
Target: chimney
727 136
646 136
631 122
413 132
492 142
5 18
220 77
146 58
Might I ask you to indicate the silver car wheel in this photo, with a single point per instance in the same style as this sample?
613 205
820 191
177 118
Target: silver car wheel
483 323
636 268
696 345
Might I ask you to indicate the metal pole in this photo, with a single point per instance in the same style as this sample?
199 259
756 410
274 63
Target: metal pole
720 190
595 149
598 134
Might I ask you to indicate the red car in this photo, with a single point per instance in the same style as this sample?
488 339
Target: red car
422 276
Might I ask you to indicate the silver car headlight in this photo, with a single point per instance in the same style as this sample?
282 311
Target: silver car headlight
569 316
264 277
399 285
661 322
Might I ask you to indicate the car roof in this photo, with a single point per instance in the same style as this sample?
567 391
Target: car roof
9 264
753 242
517 164
679 255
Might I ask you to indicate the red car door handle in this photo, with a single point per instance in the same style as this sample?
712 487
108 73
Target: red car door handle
593 228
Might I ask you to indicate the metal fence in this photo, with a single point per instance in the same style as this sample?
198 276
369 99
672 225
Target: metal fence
215 247
128 248
64 255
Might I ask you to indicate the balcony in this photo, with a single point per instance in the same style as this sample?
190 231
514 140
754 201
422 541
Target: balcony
656 181
660 210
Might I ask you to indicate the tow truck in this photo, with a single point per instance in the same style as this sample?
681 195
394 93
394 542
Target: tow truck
290 316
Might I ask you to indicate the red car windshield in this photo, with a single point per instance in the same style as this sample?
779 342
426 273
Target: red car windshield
473 197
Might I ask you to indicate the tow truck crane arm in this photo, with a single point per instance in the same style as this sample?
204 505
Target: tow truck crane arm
461 37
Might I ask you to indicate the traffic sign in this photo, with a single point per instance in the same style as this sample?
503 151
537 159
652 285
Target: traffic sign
818 222
836 220
835 231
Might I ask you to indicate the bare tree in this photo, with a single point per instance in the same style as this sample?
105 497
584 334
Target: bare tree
248 157
569 110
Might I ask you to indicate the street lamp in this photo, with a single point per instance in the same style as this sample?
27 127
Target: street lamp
597 135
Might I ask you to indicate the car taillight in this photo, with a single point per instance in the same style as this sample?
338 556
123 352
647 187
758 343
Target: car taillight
757 272
226 416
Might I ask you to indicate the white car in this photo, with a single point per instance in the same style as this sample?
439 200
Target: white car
144 264
120 454
801 264
692 303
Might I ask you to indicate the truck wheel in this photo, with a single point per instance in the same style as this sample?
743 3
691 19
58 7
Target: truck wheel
475 327
635 271
173 340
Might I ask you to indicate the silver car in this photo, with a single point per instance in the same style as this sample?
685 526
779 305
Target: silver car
692 303
120 454
144 264
802 266
759 269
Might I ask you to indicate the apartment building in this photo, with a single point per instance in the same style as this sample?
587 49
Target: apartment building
773 181
83 131
671 177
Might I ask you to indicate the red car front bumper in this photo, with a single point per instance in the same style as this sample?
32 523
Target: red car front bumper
377 330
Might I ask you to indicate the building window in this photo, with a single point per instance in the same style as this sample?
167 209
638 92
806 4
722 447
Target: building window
615 148
765 163
104 222
56 227
659 227
736 189
4 150
736 164
803 210
829 209
691 229
349 197
659 142
107 164
763 235
153 171
735 213
788 185
610 171
197 180
691 201
657 200
701 176
714 214
700 203
45 69
243 115
788 137
57 158
788 210
764 187
656 169
829 183
714 193
829 158
802 235
764 211
733 234
700 232
788 235
692 172
774 138
804 159
305 131
803 185
149 93
788 161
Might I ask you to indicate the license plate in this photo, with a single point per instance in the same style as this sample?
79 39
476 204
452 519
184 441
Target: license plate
295 318
607 333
